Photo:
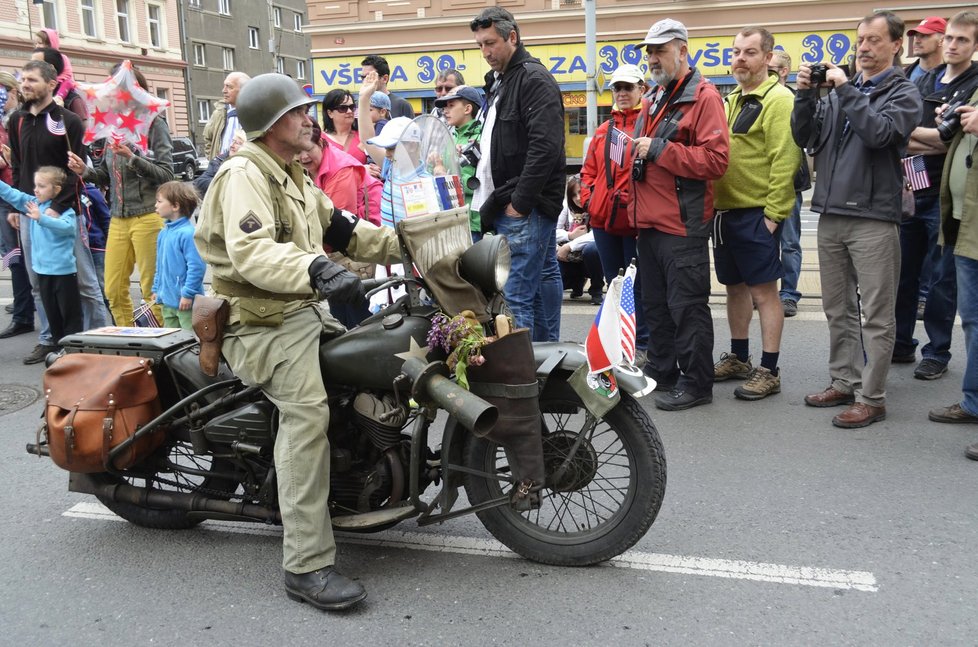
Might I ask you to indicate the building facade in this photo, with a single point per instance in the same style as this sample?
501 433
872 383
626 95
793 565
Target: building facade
251 36
420 37
97 34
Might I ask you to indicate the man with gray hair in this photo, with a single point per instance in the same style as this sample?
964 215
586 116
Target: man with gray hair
521 174
858 133
220 128
682 150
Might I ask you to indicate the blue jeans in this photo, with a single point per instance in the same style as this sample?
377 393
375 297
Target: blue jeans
918 237
19 281
942 304
791 253
616 253
967 275
94 312
534 289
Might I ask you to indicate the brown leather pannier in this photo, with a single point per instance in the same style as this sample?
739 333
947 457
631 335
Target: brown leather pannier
94 402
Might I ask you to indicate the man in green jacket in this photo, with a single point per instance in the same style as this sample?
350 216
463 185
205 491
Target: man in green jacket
460 107
959 230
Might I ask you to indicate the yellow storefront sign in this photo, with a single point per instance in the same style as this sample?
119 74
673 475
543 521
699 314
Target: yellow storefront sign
712 56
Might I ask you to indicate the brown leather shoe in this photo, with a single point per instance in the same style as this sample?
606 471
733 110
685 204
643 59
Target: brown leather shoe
830 397
859 415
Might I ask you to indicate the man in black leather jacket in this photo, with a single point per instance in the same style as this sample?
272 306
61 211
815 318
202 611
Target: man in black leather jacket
521 173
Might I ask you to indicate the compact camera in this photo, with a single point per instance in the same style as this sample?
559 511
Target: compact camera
816 76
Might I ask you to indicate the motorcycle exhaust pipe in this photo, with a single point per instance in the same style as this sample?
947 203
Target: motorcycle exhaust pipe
204 506
431 383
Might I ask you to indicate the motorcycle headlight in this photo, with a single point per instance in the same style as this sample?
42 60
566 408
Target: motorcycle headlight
486 264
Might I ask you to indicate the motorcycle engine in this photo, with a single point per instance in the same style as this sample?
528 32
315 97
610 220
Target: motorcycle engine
380 418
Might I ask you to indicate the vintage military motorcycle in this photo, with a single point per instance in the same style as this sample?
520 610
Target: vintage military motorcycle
393 457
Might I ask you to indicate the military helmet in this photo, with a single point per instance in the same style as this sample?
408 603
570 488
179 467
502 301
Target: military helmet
264 99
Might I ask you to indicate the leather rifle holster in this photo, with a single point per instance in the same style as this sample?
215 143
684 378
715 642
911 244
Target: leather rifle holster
508 380
210 316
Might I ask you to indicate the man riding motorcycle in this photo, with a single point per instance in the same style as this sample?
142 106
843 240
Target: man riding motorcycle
262 231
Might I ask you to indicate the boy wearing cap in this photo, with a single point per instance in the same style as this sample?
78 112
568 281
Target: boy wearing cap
380 110
683 149
460 107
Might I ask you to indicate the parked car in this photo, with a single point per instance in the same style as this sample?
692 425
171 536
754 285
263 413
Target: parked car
184 158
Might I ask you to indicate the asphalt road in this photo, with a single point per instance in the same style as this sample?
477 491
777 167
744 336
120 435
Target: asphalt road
777 529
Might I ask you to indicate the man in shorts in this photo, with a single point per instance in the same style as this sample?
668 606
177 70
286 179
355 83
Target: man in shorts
752 199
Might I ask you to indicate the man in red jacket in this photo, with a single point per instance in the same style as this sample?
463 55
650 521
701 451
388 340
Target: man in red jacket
684 148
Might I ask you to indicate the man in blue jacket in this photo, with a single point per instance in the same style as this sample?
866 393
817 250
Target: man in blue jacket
521 173
858 135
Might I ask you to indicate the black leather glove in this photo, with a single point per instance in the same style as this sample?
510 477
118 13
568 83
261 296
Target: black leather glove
334 281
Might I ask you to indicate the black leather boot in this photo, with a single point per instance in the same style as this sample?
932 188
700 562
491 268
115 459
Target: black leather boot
507 380
325 589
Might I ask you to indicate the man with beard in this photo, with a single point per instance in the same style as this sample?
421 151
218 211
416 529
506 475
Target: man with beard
922 265
753 198
262 231
682 150
858 133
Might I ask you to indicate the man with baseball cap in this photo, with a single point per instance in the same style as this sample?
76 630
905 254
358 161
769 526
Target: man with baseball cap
682 149
925 43
460 108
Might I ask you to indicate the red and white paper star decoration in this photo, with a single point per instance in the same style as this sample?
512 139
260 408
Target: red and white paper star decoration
121 111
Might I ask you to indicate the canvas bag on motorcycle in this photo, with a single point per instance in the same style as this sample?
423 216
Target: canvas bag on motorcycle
94 403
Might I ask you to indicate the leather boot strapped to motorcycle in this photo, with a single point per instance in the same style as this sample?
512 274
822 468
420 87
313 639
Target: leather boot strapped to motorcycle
507 379
210 316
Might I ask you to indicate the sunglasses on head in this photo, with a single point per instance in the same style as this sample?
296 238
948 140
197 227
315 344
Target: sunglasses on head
623 87
482 23
343 107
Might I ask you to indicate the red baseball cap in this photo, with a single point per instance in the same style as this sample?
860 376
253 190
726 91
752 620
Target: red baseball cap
929 25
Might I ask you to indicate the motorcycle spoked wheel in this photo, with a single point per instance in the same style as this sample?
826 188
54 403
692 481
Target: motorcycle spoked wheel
165 477
603 504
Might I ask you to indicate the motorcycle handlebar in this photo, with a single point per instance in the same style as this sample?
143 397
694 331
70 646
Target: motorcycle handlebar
431 382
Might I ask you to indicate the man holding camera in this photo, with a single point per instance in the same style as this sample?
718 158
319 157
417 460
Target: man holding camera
683 149
858 134
951 83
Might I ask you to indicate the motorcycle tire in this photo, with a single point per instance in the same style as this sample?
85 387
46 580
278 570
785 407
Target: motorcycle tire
180 453
597 511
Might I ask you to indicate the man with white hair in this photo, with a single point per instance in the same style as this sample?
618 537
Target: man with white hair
220 128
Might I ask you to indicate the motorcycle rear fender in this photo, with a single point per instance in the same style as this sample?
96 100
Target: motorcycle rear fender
567 356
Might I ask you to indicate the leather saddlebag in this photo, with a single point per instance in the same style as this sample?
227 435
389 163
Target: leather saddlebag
95 402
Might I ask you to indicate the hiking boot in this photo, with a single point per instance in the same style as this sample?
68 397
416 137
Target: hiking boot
39 354
929 369
952 414
760 383
729 367
790 307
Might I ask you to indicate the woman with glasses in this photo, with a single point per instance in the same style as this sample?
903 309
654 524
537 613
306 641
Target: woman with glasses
606 184
339 123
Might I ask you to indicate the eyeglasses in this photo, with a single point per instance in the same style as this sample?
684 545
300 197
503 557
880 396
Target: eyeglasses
444 88
482 23
623 87
343 107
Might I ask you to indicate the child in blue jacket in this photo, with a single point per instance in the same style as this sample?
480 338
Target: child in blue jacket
179 268
53 243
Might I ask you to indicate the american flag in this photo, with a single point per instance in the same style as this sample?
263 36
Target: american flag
915 172
144 317
626 312
56 128
619 141
10 257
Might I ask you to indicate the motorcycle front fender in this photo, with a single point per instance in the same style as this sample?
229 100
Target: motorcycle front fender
567 356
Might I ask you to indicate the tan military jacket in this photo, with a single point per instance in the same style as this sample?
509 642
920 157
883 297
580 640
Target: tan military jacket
239 238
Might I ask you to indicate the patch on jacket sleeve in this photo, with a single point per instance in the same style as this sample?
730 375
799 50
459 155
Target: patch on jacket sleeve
250 223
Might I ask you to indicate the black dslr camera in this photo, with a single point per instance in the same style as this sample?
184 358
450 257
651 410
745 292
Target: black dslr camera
816 75
948 128
469 155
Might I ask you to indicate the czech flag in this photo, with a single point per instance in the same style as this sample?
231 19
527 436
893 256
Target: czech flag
603 345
